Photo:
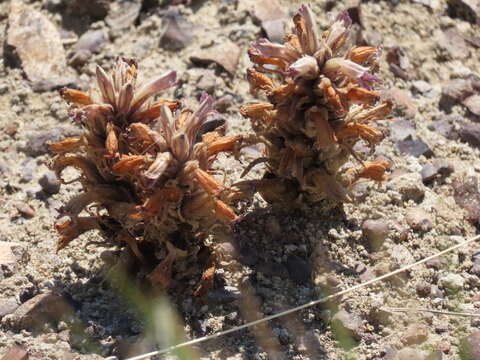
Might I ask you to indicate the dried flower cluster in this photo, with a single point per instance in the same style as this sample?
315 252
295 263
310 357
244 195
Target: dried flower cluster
144 168
320 103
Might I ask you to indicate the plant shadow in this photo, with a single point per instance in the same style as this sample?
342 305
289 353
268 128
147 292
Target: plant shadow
269 268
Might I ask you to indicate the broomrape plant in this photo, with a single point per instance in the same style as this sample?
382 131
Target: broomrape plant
146 167
320 103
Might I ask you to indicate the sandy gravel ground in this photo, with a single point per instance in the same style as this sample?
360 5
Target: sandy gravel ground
273 260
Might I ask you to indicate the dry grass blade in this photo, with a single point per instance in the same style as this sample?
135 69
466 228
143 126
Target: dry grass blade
307 305
433 311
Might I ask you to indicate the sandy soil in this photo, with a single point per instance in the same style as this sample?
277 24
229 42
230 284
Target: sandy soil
277 259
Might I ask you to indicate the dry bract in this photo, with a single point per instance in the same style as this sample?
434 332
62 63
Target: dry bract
320 103
145 175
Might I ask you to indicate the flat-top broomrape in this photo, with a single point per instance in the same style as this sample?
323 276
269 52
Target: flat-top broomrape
145 168
320 103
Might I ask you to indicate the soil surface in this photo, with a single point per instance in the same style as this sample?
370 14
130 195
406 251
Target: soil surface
65 306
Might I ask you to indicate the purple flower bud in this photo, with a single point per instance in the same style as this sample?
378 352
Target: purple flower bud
343 16
200 116
165 81
339 31
338 66
273 50
311 42
305 67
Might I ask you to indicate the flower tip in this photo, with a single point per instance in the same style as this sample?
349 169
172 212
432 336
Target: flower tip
171 78
367 79
259 43
303 9
292 72
343 16
206 98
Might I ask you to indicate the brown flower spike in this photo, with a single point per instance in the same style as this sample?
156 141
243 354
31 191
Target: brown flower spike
145 168
320 103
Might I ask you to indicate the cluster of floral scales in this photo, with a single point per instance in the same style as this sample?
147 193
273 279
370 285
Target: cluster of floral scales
144 166
320 103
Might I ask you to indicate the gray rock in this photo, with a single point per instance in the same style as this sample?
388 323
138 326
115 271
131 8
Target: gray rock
409 185
467 196
389 353
12 254
92 41
428 172
436 292
475 270
177 32
455 91
468 10
452 283
423 288
54 83
25 210
207 81
419 220
53 5
445 126
16 352
224 103
402 99
50 183
80 58
415 334
8 306
444 168
472 103
347 324
271 15
415 147
123 13
29 167
376 231
469 347
470 133
226 54
97 9
42 309
37 140
401 130
299 270
232 317
400 257
3 88
421 86
36 41
225 295
452 43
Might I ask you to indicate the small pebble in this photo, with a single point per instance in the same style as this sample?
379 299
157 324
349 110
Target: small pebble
50 183
415 334
26 210
423 288
419 220
469 347
409 185
376 232
452 283
347 324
